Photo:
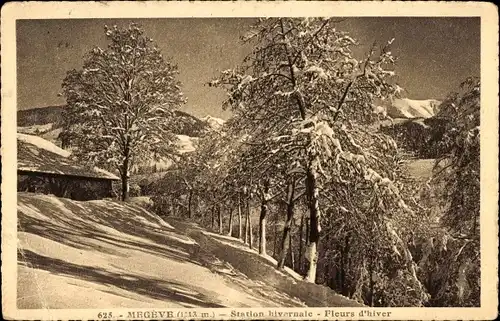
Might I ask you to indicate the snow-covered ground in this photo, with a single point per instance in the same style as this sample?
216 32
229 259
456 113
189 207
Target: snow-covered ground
239 244
261 269
104 253
35 129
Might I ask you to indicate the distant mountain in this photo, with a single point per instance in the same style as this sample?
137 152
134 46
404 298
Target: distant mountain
411 108
189 125
46 122
40 116
213 122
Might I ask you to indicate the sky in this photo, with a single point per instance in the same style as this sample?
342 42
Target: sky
434 54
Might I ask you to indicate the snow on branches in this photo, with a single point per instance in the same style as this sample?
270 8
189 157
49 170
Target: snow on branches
306 105
120 103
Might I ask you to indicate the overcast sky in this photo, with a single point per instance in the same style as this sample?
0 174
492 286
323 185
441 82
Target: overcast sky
435 54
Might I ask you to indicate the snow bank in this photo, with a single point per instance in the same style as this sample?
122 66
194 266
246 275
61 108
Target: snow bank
42 143
261 269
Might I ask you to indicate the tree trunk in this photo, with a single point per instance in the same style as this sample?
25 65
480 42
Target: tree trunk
230 233
196 205
301 242
250 232
262 229
275 232
240 232
125 187
292 256
190 203
307 231
219 212
213 216
247 225
315 228
262 220
285 241
125 173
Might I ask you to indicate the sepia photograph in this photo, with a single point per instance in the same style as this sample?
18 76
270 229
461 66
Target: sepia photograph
294 164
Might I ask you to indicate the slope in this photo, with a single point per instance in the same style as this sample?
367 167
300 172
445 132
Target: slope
103 253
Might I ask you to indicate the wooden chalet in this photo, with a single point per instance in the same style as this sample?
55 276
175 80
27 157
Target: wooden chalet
43 167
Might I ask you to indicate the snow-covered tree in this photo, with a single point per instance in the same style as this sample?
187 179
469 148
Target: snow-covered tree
302 90
119 105
456 252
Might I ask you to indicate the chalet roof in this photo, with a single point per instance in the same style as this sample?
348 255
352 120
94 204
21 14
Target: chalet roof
37 155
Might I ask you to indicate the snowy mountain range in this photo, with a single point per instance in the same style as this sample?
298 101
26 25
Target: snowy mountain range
213 122
411 108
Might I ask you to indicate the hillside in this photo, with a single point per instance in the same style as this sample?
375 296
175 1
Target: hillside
46 121
108 254
40 116
418 136
416 125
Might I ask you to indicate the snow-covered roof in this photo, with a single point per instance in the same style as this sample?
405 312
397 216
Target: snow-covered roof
37 155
